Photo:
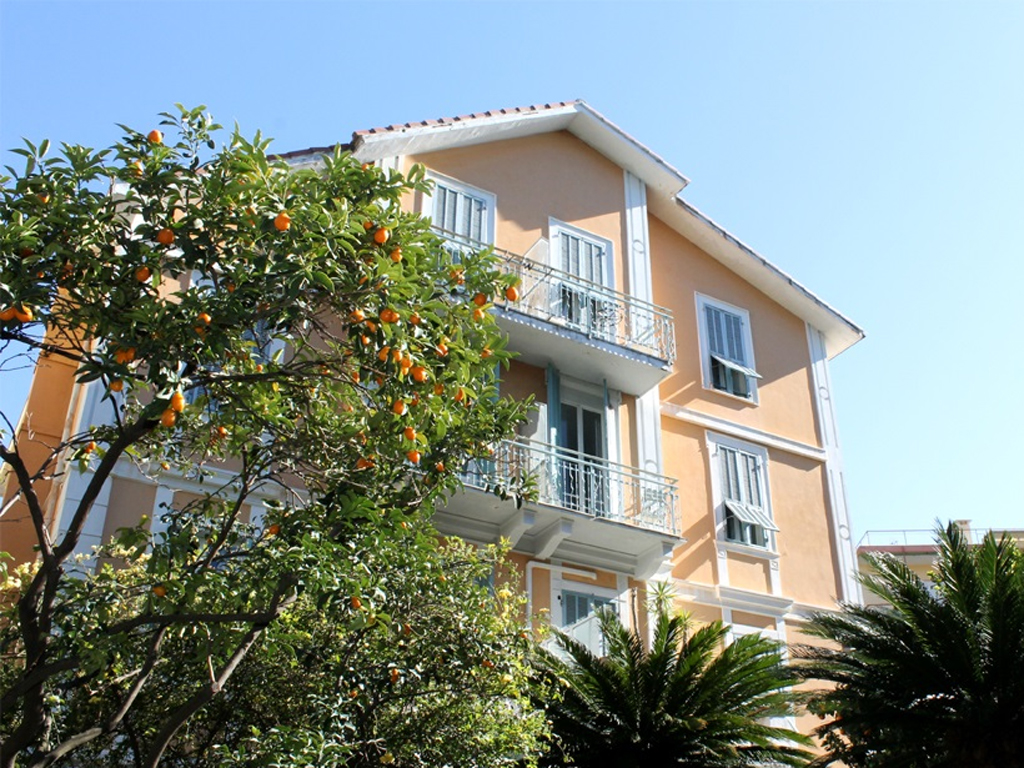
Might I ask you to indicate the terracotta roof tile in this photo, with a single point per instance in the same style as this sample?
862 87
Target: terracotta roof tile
464 118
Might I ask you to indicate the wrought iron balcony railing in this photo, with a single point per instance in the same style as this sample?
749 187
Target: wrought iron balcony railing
573 302
586 484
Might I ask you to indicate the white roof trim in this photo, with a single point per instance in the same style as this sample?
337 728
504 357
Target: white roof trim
664 182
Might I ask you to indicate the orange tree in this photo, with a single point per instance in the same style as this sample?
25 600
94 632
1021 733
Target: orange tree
293 326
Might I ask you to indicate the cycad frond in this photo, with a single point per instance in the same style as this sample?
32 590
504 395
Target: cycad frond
685 701
935 678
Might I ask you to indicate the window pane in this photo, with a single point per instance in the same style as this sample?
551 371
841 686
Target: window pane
593 439
568 433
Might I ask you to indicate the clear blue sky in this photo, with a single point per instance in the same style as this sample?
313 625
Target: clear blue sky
874 150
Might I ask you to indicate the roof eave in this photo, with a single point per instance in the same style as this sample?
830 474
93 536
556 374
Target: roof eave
840 332
577 117
664 182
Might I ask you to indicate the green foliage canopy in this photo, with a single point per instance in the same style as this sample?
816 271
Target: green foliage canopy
260 333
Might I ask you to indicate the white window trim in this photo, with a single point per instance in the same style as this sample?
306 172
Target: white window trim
556 227
427 207
560 584
714 440
703 301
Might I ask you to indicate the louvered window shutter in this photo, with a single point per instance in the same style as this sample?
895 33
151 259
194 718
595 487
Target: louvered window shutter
725 334
460 214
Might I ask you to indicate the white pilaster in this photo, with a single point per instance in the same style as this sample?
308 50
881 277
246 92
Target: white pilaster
638 254
849 587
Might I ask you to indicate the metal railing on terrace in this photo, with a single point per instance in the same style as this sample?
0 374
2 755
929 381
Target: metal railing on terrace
587 484
586 631
568 300
926 536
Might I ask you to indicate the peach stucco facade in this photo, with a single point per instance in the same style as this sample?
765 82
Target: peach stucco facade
643 407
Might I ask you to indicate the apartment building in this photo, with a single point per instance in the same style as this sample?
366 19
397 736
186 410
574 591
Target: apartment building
917 549
685 428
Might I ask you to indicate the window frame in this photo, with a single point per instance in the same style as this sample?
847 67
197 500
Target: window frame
721 503
461 187
583 307
748 369
556 228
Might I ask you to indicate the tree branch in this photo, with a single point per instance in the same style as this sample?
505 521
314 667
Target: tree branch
284 596
84 737
13 459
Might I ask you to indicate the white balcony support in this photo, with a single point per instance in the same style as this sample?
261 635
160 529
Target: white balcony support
549 539
651 561
516 525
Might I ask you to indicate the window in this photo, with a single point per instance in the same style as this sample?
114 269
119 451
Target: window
727 353
583 471
581 302
463 214
741 492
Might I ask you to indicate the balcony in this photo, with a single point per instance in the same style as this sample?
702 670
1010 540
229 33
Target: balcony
592 331
588 511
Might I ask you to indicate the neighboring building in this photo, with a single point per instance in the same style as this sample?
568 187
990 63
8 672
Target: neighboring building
685 427
917 549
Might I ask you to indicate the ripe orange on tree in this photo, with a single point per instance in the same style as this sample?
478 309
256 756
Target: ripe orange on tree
116 385
168 418
90 446
356 603
414 456
396 254
460 395
177 402
480 299
439 466
160 590
7 314
155 136
478 314
419 373
486 352
165 236
222 432
356 316
415 319
409 433
395 675
282 221
273 530
142 274
512 293
204 318
399 407
23 314
381 236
